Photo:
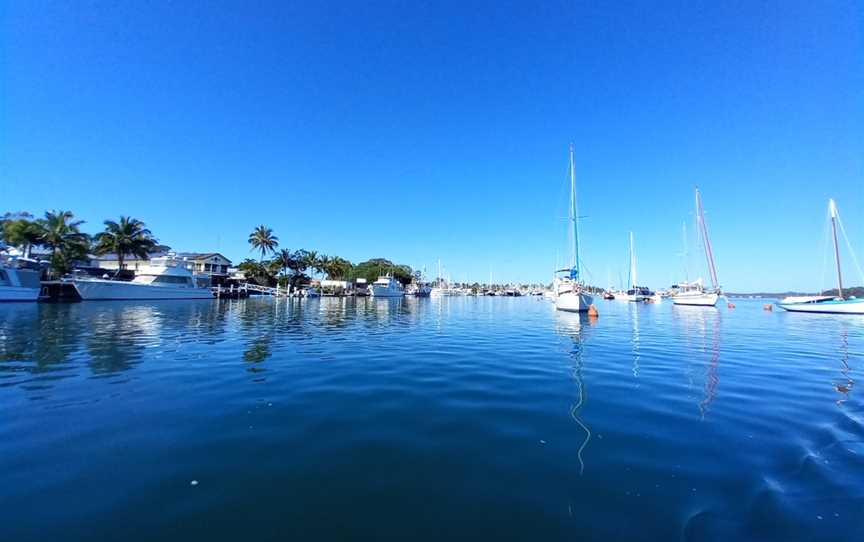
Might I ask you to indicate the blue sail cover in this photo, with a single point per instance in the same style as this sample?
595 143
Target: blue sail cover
574 273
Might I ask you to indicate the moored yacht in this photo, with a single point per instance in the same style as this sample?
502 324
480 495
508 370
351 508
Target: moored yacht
638 294
838 304
164 278
423 290
695 293
570 294
387 286
19 280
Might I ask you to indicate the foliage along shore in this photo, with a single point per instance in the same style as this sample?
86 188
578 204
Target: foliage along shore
59 232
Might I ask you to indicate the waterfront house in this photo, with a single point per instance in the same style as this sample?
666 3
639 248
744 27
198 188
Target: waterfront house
213 264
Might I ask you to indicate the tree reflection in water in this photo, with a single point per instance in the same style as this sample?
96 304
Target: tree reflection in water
119 334
257 319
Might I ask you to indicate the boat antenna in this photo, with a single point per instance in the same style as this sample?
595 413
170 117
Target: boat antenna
832 208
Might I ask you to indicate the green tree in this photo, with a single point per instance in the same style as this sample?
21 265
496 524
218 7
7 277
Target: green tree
263 240
255 271
312 260
21 232
59 231
283 261
376 267
129 236
337 268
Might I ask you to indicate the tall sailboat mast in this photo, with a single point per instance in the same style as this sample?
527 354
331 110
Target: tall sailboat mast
685 255
574 217
703 229
632 263
832 207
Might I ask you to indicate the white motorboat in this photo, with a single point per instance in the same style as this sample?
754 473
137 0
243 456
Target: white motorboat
694 293
19 280
164 278
387 286
827 304
570 294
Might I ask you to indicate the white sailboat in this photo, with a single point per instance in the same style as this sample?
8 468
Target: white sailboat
569 290
636 293
827 304
695 293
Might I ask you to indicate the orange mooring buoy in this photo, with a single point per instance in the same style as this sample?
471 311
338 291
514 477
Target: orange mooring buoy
592 311
768 307
730 305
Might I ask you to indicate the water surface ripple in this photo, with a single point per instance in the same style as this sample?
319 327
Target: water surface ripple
459 418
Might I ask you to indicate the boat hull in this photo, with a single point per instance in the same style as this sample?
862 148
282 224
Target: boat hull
698 300
18 293
831 306
386 292
573 302
106 290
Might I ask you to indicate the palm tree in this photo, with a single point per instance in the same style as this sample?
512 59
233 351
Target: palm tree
283 260
59 232
262 239
322 262
22 233
129 237
312 260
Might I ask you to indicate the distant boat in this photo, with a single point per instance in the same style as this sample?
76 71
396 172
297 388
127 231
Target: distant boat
163 278
822 303
694 293
19 280
569 290
387 286
420 290
638 294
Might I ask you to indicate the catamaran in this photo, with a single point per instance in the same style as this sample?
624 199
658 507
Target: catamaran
569 290
823 303
694 293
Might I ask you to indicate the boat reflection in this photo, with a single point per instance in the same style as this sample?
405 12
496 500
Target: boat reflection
844 386
634 337
574 326
702 331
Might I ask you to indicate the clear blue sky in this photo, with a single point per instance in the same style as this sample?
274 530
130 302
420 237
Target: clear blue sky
415 131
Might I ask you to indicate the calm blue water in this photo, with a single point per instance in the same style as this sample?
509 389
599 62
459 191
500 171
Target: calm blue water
464 418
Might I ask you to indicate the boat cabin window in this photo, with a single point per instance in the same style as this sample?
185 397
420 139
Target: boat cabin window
169 279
